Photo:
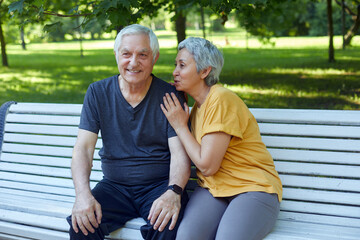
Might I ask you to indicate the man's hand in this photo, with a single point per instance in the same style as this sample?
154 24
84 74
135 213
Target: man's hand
86 214
166 207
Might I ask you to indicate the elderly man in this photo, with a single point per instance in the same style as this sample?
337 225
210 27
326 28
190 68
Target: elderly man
144 164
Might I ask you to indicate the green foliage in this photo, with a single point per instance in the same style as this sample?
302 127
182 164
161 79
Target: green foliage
317 20
291 18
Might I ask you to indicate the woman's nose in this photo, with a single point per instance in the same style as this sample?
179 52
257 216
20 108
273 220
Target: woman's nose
175 72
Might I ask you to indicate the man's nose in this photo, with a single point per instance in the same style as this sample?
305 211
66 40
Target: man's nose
134 61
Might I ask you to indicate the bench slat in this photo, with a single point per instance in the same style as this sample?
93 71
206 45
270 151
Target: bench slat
46 108
320 208
60 224
41 150
34 193
42 160
333 183
312 195
36 206
39 139
318 169
41 129
39 180
30 188
321 219
312 143
64 188
36 159
299 230
44 170
315 156
33 232
43 139
43 119
332 117
309 130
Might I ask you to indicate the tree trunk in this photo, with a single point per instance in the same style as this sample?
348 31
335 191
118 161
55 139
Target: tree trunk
355 16
343 22
354 28
22 36
3 47
202 21
330 31
80 37
180 26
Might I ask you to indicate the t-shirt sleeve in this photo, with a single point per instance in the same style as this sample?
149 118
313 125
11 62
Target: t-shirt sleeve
89 119
225 118
181 98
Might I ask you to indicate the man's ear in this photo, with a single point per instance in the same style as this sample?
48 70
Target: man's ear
205 72
115 56
156 58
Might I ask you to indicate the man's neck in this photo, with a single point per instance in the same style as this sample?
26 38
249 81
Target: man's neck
134 93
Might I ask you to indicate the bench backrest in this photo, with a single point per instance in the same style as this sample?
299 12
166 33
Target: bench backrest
316 152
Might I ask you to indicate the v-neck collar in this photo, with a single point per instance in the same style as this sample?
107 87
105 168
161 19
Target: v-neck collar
126 103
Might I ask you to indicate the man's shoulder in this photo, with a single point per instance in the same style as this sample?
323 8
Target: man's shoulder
104 82
162 85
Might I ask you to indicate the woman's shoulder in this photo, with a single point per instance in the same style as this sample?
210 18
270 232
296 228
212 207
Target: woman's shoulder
224 94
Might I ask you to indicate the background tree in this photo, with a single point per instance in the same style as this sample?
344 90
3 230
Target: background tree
3 18
353 9
331 31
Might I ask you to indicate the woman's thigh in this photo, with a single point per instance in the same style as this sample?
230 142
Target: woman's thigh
202 216
249 216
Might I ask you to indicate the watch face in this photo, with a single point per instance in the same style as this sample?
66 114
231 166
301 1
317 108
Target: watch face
176 188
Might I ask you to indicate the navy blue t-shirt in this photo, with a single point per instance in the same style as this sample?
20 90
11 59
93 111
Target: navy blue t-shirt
135 140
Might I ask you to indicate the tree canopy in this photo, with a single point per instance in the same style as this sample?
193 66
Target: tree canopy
113 14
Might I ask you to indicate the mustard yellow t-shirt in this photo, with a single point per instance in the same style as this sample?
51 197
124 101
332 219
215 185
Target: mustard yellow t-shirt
247 165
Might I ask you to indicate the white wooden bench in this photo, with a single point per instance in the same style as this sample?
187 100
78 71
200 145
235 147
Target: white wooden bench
316 152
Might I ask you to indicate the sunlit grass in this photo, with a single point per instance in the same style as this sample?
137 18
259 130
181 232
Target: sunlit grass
294 73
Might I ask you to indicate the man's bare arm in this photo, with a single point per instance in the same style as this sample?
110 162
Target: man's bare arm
86 212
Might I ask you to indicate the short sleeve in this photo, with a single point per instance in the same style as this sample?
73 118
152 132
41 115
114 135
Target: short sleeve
225 117
89 119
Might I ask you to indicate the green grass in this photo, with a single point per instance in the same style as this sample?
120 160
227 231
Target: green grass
293 74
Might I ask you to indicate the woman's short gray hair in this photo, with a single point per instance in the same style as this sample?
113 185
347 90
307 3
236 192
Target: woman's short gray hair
206 55
137 29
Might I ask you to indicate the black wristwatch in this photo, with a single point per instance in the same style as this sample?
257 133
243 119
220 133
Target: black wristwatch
177 189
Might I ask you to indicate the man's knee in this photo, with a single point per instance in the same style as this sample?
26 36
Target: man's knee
148 233
99 233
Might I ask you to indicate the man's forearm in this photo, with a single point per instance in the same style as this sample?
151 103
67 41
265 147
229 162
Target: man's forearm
81 170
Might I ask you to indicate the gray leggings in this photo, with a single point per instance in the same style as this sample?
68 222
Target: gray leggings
248 216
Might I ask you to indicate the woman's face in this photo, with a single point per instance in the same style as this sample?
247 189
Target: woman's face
185 74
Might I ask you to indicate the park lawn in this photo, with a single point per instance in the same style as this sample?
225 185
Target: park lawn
293 74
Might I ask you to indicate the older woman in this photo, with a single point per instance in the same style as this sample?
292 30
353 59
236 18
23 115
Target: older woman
240 190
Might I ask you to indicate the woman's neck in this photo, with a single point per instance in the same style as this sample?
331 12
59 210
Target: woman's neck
200 94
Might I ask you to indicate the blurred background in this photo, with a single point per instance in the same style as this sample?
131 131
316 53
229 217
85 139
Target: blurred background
278 54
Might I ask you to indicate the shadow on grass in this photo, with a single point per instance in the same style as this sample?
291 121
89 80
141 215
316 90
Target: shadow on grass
273 78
